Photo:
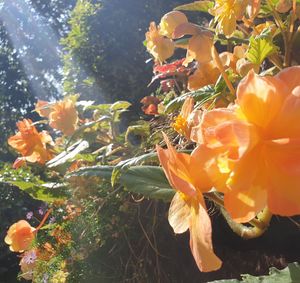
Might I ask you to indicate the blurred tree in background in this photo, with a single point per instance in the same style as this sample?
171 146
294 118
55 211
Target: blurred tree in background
105 57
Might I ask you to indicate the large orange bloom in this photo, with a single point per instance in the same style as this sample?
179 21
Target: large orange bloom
260 142
20 236
30 143
187 209
64 117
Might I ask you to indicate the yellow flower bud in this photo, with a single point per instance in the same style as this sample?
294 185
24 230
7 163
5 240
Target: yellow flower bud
170 21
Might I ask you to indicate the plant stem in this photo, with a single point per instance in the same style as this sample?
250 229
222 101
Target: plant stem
220 66
260 224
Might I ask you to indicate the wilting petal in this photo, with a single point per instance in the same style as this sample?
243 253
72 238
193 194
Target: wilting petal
247 195
179 214
260 98
200 239
283 167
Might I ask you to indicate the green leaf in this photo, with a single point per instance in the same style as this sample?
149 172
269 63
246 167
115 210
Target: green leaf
149 181
41 192
68 154
260 48
200 6
290 274
198 95
93 171
120 105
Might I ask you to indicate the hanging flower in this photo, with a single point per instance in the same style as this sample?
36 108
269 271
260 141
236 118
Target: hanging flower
170 21
227 13
187 209
64 117
43 108
160 47
30 143
20 236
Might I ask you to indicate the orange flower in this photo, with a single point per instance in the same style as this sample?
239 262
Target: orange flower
227 13
158 46
170 21
30 143
20 236
260 139
64 117
187 209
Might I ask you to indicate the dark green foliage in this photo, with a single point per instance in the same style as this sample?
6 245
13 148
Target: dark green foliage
105 57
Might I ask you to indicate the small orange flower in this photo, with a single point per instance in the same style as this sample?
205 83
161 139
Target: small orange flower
170 21
160 47
64 117
20 236
187 209
30 143
227 13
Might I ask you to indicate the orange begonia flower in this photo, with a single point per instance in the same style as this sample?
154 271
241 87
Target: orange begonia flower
170 21
227 12
30 143
20 236
160 47
64 117
261 139
187 209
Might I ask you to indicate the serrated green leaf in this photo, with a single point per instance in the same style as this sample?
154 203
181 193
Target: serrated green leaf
199 6
259 49
149 181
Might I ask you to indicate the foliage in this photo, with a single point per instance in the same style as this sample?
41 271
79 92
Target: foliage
289 274
234 143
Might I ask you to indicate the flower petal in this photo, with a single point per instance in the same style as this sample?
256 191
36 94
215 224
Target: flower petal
283 165
260 98
179 214
200 239
247 195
